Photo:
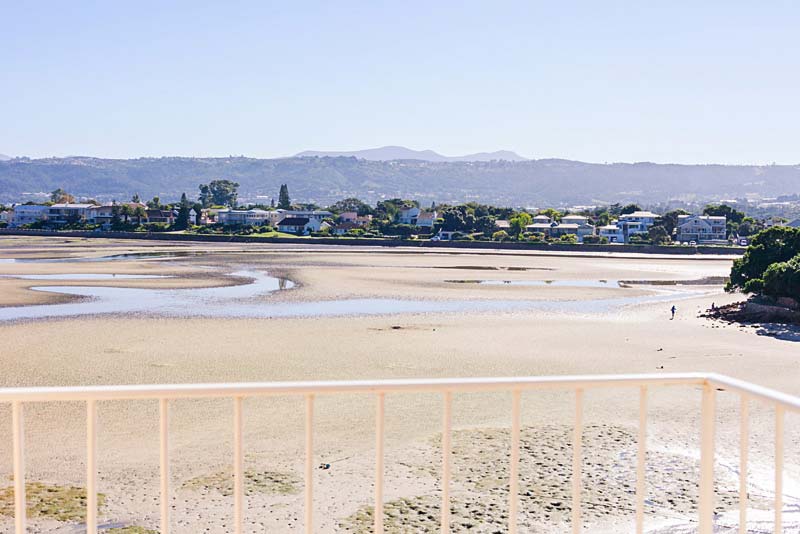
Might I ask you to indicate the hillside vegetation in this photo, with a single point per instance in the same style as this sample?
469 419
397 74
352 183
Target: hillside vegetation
327 179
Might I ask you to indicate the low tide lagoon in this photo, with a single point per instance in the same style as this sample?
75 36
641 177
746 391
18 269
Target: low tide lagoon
84 276
246 300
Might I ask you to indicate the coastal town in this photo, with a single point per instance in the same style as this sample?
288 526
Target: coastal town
217 212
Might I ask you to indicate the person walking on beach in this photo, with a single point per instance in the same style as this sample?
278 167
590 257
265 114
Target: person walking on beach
673 310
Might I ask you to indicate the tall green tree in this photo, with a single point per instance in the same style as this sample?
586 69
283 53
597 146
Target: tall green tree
219 193
720 210
138 212
630 208
182 222
351 204
284 202
554 214
458 219
519 222
126 211
205 196
670 219
733 216
658 235
136 198
198 212
59 196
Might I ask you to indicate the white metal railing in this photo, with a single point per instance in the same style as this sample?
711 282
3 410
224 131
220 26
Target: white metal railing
164 393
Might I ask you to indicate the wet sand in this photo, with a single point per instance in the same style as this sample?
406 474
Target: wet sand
113 350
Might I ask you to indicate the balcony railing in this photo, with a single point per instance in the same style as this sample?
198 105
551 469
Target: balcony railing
709 383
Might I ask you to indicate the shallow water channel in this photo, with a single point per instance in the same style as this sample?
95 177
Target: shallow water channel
250 300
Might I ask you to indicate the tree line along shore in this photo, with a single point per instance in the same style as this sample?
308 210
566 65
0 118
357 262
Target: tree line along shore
216 211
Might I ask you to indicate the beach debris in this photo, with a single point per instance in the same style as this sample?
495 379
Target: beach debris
324 466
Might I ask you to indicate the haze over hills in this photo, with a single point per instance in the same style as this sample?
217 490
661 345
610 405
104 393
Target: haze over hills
3 157
546 182
389 153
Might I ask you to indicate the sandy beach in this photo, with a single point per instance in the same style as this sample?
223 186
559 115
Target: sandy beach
484 314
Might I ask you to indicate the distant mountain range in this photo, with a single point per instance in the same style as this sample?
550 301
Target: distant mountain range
323 180
389 153
3 157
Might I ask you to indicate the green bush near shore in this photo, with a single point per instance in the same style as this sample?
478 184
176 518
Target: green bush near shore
783 279
774 251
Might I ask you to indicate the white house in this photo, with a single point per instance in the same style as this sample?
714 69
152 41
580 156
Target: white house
254 217
701 229
27 214
541 225
101 214
612 232
277 216
408 215
312 215
59 214
638 222
426 219
298 225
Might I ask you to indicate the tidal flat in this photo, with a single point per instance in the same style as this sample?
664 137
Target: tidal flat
427 326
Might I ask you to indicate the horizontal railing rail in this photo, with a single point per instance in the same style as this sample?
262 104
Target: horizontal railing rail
709 383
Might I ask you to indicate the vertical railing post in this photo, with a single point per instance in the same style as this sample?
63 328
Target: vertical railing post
447 421
708 417
513 483
164 464
779 413
379 456
309 470
91 467
577 445
641 455
744 442
238 467
18 430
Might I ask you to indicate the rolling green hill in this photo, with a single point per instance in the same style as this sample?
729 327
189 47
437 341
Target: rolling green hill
326 179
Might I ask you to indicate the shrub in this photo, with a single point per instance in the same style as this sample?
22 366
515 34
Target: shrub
569 238
501 235
774 245
782 279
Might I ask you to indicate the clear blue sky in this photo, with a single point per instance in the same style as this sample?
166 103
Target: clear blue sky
713 81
